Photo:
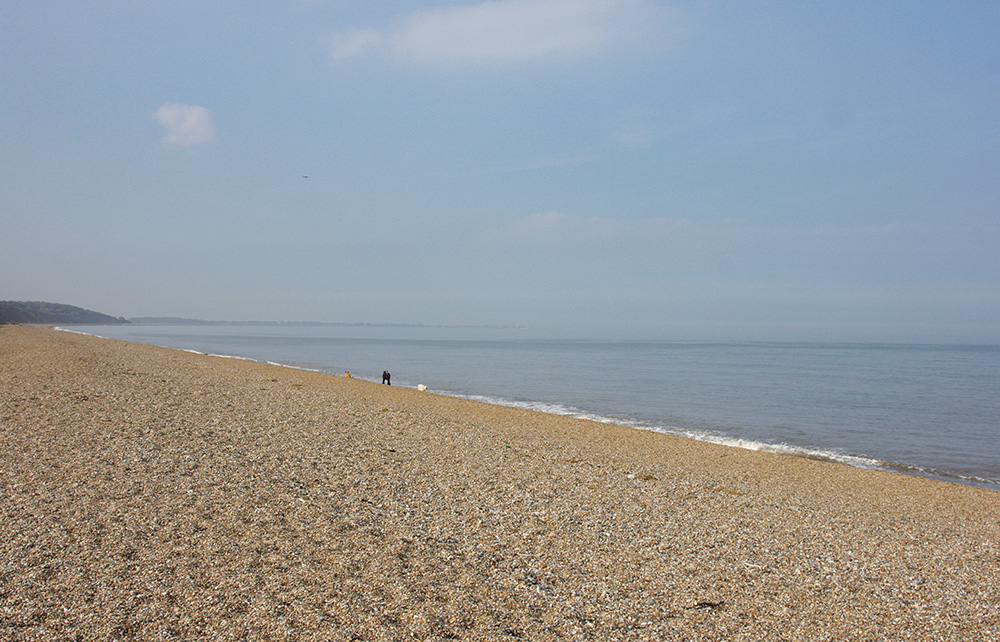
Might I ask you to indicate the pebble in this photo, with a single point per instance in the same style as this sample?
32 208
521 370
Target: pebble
153 494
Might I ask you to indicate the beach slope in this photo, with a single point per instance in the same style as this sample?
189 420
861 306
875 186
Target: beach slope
155 494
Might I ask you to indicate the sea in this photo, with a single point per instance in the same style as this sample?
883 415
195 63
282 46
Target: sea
926 410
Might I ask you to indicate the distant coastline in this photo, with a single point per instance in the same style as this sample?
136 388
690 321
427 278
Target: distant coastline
43 312
332 324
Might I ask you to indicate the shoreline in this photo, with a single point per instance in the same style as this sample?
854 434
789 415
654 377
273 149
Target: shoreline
831 453
159 494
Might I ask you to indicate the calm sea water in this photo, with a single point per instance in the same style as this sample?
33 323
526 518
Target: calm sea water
920 409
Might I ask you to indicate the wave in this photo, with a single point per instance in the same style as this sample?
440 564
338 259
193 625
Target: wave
858 460
827 455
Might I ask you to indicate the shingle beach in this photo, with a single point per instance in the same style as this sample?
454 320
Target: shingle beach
155 494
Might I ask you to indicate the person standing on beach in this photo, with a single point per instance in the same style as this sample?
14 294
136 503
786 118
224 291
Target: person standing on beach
386 377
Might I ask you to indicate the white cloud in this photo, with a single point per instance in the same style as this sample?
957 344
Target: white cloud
503 31
355 42
185 124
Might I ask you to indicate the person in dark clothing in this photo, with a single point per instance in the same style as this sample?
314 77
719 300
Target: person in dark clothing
386 377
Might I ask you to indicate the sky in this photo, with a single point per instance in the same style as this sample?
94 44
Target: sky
634 169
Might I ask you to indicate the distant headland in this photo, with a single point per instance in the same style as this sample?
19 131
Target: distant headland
43 312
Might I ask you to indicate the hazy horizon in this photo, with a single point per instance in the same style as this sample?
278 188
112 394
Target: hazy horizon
616 169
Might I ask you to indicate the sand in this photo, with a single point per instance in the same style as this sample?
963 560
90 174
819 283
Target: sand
154 494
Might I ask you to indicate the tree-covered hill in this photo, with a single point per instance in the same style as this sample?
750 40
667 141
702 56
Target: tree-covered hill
42 312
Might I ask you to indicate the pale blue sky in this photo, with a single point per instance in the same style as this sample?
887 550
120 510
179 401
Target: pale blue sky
673 170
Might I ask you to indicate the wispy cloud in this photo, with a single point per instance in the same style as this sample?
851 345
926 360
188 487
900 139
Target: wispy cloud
554 226
637 129
544 225
503 31
185 124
